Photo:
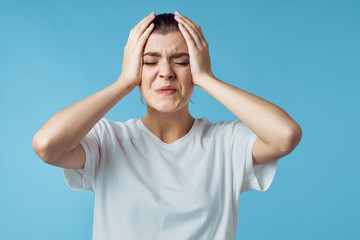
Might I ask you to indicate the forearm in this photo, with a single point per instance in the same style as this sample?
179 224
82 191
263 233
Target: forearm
268 121
64 130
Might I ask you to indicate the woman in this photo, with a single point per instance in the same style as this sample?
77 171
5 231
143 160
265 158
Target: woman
168 175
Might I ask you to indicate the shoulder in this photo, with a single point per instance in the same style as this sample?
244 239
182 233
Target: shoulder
222 125
105 125
225 128
107 122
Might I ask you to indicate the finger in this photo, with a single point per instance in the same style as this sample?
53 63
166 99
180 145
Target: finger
189 29
193 28
144 37
188 38
143 26
150 16
140 27
188 20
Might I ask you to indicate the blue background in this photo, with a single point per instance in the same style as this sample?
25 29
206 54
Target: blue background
300 55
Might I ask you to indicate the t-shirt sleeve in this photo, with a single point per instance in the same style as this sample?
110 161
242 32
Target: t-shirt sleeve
84 179
247 176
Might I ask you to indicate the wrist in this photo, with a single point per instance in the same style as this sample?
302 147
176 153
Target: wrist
125 83
204 80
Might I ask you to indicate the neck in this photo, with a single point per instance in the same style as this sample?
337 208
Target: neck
169 127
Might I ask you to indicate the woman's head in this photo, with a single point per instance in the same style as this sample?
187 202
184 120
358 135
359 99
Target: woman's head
165 23
166 83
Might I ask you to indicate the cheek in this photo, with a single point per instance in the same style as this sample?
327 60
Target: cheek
147 77
147 74
186 82
186 74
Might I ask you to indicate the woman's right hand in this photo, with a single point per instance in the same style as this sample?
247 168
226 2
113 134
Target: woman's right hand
133 51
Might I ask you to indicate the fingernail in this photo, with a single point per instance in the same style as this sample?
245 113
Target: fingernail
152 15
180 24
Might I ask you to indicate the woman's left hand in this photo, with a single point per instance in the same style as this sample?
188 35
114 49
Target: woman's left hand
198 48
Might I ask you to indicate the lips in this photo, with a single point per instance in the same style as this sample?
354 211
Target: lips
166 90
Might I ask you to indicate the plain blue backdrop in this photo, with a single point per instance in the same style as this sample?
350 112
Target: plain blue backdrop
303 56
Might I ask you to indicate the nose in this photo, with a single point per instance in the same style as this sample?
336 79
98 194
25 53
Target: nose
165 70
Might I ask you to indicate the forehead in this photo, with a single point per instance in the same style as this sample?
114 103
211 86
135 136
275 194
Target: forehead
166 44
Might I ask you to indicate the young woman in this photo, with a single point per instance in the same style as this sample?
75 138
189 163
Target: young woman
167 175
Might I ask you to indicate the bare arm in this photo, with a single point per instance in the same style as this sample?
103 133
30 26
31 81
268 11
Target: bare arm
58 140
278 134
64 131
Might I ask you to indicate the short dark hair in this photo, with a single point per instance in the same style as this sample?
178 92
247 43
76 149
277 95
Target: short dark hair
165 23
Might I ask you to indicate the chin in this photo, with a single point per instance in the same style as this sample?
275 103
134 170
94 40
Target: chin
166 108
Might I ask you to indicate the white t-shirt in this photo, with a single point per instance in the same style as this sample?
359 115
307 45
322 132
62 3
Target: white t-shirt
189 189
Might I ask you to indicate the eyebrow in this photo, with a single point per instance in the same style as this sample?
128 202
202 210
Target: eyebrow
175 55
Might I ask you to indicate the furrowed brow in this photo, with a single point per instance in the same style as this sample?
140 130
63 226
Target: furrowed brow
153 54
178 55
156 54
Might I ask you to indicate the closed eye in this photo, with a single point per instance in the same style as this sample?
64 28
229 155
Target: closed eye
180 63
183 63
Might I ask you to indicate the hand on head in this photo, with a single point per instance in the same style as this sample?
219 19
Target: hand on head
133 51
198 48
